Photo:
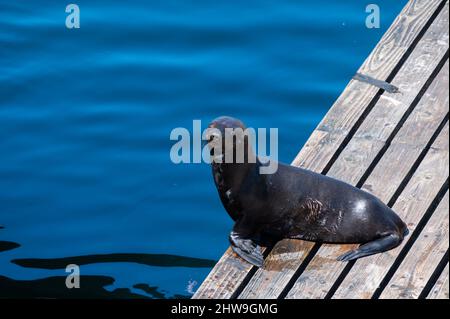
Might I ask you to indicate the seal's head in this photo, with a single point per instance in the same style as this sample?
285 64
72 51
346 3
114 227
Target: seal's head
232 157
228 141
223 122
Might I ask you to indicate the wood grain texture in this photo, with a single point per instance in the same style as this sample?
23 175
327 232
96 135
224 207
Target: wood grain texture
440 288
353 101
390 108
416 131
224 278
413 17
423 257
367 273
231 271
358 155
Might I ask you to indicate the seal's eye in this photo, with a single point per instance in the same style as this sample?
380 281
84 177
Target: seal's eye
213 136
210 139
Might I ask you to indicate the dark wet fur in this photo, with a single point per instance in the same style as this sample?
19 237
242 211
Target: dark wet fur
297 203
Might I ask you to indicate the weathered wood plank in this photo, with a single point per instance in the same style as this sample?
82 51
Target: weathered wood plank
440 289
221 282
367 273
413 16
317 278
417 129
423 257
391 106
352 163
351 104
231 271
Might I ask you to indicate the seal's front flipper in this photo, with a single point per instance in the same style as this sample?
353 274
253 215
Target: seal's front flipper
246 249
374 247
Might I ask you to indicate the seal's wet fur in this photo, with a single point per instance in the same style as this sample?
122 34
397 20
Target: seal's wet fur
297 203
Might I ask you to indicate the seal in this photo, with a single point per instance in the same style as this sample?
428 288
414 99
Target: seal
295 203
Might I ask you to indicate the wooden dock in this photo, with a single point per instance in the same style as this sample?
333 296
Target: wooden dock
394 145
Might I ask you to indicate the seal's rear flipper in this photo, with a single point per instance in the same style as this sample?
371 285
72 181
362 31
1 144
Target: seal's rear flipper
246 249
374 247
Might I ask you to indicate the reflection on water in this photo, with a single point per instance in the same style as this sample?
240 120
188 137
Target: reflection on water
159 260
55 287
93 286
155 293
7 245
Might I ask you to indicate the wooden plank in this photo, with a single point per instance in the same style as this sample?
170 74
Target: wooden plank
391 106
221 282
351 104
367 273
280 265
423 257
317 279
440 289
334 127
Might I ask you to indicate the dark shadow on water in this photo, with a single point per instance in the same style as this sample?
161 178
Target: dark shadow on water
153 291
55 287
159 260
91 287
8 245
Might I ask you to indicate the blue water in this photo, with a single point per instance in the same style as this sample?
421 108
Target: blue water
85 118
